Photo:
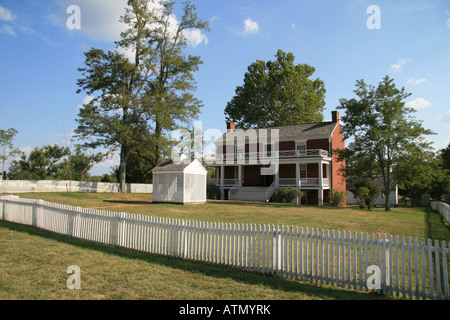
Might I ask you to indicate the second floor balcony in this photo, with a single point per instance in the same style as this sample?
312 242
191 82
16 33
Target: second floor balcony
267 156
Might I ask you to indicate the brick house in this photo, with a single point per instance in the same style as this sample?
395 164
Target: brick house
252 164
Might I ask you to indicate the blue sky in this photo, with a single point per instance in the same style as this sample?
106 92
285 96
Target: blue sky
39 55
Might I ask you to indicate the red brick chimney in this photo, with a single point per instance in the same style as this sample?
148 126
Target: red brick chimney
231 126
335 116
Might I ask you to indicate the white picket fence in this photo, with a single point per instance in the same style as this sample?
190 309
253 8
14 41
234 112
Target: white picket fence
28 186
410 268
442 208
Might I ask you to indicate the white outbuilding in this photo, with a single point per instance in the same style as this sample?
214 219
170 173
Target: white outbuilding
180 182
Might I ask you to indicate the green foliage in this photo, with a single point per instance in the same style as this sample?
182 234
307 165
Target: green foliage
367 191
286 194
212 191
277 93
421 172
54 162
337 198
42 163
137 102
383 131
440 187
7 149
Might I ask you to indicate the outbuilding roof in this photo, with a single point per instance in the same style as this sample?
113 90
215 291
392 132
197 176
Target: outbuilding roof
178 166
170 166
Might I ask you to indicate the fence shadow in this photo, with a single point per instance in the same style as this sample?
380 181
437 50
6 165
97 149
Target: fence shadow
216 271
129 202
435 226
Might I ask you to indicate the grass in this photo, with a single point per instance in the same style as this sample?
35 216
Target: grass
33 265
402 221
33 262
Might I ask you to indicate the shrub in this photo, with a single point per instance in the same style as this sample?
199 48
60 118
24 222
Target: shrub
337 198
286 194
366 191
212 191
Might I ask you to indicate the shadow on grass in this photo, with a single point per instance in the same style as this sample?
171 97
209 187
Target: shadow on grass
265 204
125 202
436 227
218 271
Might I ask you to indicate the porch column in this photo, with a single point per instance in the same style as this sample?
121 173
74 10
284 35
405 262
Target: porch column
240 175
277 175
320 191
297 175
222 175
329 174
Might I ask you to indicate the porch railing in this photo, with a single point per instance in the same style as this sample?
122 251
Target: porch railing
233 190
226 182
303 182
271 190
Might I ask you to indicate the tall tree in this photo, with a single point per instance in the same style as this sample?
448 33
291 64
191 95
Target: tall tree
169 98
138 101
383 130
277 93
113 119
6 145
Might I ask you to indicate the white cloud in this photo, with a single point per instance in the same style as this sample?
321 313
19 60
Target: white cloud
195 37
445 118
416 82
86 100
398 67
419 103
7 30
214 18
251 26
99 18
6 15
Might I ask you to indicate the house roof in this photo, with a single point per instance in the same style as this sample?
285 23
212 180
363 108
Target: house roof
291 131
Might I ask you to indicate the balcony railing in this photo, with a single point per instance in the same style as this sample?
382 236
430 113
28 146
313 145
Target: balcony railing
269 155
283 182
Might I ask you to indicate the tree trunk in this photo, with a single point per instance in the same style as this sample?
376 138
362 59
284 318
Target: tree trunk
122 170
387 193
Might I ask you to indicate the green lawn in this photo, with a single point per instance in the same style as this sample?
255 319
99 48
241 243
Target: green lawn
402 221
33 265
33 262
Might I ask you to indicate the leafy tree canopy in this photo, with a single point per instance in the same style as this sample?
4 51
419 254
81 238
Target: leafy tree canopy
137 102
277 93
384 133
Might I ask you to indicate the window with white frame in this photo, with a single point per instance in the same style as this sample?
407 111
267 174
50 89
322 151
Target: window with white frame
303 171
300 147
